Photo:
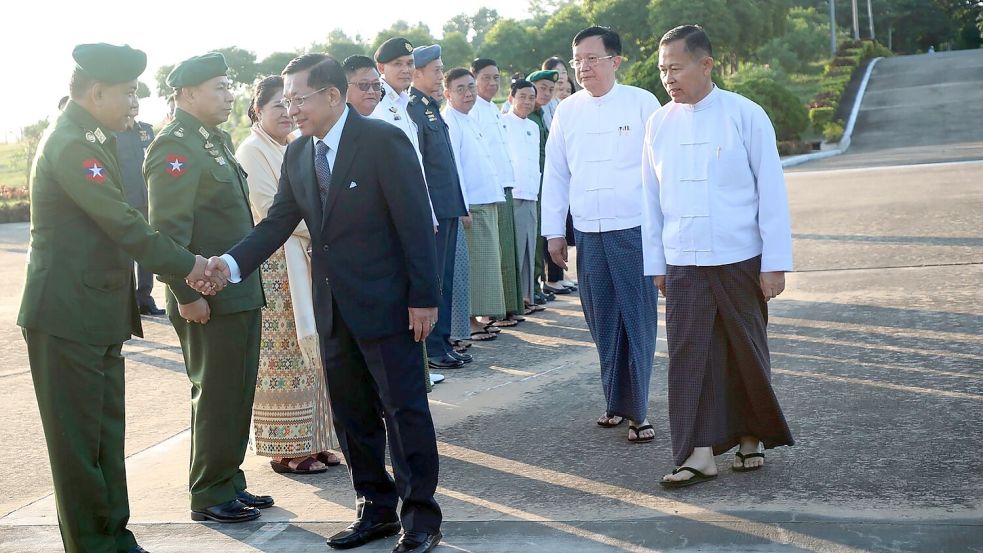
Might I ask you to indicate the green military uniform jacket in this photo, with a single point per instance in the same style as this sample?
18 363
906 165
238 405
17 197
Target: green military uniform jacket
199 197
84 237
537 117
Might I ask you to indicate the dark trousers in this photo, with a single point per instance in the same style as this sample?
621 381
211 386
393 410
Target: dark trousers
553 271
438 343
145 278
377 391
79 388
222 359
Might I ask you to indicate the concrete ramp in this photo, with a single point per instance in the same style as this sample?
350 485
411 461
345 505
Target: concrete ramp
918 109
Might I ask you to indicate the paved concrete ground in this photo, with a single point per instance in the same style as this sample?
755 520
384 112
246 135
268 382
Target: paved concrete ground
918 109
878 362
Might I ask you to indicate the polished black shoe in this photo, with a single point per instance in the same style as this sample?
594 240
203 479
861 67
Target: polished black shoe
445 362
230 511
258 501
151 309
417 542
138 549
463 357
362 532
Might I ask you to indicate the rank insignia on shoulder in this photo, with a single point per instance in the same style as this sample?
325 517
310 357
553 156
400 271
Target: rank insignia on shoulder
99 134
94 170
144 136
90 137
425 101
174 165
204 134
208 145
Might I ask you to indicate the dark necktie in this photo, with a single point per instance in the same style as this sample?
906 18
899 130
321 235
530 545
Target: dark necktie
322 169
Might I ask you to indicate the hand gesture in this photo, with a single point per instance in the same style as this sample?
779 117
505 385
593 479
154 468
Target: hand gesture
197 311
422 321
558 251
200 280
772 284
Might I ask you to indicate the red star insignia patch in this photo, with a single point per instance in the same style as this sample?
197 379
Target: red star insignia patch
174 165
94 170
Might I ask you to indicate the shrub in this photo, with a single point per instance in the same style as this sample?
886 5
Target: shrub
833 131
787 114
820 116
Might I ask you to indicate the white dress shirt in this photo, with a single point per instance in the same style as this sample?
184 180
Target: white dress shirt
480 181
714 187
333 140
594 161
492 125
392 109
523 137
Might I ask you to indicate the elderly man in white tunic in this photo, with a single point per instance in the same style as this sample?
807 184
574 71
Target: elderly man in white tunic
594 167
716 205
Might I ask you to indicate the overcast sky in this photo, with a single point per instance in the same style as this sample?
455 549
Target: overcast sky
38 37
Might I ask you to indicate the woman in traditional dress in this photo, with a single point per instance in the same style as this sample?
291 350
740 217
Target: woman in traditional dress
291 413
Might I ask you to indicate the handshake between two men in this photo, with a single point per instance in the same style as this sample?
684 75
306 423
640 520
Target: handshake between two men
211 276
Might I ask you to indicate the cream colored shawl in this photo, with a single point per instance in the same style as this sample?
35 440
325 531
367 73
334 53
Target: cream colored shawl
261 157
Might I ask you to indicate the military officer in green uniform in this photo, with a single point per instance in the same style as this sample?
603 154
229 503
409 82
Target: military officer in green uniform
198 197
79 304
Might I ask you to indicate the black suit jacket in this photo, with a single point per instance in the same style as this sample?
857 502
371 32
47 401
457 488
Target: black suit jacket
438 156
373 249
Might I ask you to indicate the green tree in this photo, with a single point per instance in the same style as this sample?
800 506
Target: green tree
143 91
160 77
513 45
274 63
31 137
241 62
339 45
460 23
418 35
482 22
455 51
630 19
806 39
557 35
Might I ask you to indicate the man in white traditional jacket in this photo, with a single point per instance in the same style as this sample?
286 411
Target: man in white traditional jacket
594 168
492 123
717 211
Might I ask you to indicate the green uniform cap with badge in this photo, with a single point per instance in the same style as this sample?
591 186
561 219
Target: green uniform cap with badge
393 48
196 70
109 63
548 75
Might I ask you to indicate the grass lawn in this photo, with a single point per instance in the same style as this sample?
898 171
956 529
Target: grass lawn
13 167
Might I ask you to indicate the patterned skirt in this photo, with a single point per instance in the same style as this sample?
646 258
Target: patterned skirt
461 298
511 285
291 412
484 249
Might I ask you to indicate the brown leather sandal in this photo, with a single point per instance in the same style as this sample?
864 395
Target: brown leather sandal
295 466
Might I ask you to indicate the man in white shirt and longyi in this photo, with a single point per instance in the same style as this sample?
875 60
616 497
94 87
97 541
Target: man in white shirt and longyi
593 167
717 211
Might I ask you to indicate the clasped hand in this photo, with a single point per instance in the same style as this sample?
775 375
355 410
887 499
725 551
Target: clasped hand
209 276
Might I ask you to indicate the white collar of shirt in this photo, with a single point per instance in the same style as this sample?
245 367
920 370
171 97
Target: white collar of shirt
705 103
401 98
481 102
333 138
607 97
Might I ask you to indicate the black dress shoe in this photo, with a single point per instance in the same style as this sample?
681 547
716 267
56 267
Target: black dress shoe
445 362
362 532
463 357
417 542
151 310
230 511
138 549
258 501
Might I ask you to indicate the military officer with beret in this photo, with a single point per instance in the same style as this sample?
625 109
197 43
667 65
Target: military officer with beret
198 197
79 305
394 59
444 184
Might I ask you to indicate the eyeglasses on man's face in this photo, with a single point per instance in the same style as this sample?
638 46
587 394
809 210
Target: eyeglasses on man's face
464 89
365 86
299 100
589 61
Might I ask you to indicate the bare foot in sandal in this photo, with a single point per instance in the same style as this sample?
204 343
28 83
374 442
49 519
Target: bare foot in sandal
748 457
298 465
640 433
610 421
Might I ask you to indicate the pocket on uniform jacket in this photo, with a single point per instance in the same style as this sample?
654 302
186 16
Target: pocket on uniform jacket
106 281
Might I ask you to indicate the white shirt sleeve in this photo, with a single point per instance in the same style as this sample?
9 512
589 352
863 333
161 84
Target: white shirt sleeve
233 268
773 213
454 132
556 184
653 250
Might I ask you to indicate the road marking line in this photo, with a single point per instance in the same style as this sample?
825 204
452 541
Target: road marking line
265 533
930 165
878 384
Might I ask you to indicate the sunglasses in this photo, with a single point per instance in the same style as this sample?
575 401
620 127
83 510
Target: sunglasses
365 86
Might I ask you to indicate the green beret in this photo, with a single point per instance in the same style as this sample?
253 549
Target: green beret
196 70
540 75
109 63
393 48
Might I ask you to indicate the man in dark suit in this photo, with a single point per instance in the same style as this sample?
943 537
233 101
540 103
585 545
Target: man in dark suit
358 185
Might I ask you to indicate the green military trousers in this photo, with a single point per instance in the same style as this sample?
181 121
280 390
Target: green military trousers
80 395
221 358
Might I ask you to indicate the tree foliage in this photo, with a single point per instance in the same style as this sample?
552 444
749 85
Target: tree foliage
418 35
455 50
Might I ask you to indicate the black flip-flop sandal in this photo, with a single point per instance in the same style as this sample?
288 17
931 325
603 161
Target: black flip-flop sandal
504 323
696 479
637 430
744 457
611 424
491 329
483 336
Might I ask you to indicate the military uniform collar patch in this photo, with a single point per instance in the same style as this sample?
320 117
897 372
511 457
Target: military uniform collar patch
425 101
90 136
204 133
179 132
100 136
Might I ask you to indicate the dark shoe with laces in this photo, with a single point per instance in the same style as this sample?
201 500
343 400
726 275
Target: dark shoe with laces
230 511
257 501
361 532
